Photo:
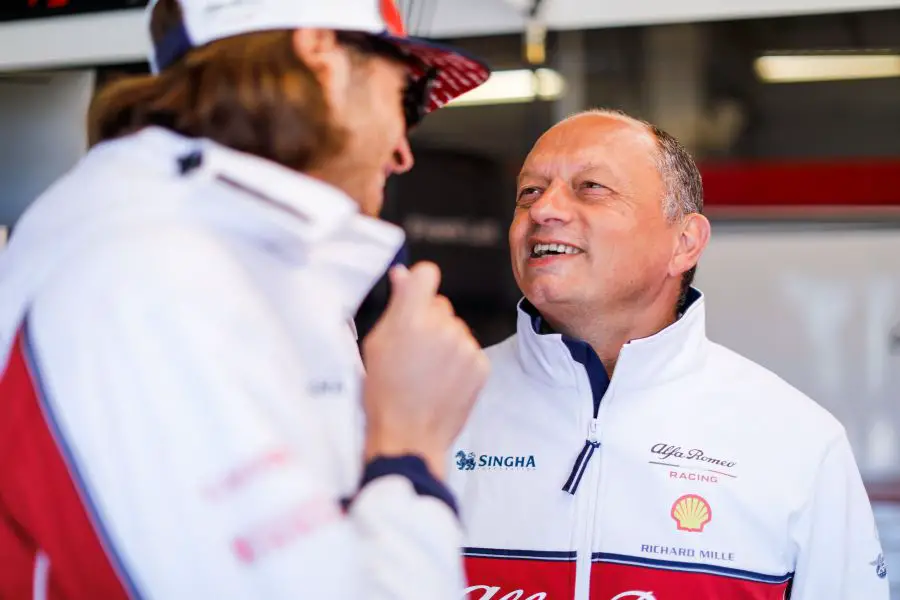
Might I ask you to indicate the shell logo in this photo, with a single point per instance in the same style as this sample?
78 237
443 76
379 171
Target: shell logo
691 512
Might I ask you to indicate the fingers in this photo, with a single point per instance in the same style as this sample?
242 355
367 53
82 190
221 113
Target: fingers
398 275
470 373
422 285
424 368
468 356
414 289
442 306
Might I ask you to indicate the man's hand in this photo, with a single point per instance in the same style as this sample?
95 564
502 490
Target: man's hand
424 371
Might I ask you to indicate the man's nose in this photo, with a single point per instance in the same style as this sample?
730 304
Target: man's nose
555 204
403 157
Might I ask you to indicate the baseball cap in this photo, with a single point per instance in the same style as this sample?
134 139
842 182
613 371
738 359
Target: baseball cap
439 73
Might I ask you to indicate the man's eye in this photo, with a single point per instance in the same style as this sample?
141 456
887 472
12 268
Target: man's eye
527 196
593 185
528 193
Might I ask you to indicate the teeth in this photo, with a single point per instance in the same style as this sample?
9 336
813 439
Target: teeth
543 249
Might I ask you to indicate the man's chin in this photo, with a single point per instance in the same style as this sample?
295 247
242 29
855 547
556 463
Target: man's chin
544 293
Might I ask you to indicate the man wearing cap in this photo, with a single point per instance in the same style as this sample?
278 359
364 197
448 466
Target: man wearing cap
618 454
181 402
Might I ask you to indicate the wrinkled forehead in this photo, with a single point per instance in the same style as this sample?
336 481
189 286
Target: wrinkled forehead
606 144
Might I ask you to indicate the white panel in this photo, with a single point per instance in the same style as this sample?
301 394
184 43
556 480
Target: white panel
821 309
520 5
580 14
42 128
84 40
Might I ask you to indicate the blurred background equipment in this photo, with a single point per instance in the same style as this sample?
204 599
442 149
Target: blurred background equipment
792 108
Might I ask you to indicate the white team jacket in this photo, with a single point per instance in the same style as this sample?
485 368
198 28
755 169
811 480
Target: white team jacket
179 411
694 474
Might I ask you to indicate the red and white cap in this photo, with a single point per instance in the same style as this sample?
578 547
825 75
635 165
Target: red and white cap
452 73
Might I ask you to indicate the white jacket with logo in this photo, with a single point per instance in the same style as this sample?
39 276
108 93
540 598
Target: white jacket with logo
694 474
179 406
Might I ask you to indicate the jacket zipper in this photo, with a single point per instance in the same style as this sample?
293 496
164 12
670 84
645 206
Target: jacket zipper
586 518
599 385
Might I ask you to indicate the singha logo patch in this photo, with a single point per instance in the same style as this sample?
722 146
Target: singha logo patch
465 462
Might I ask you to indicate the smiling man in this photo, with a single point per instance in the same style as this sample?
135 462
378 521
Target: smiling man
616 452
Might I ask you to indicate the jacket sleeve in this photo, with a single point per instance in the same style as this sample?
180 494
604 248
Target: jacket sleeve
839 553
182 405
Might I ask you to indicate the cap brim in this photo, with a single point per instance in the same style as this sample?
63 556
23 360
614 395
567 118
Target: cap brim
457 72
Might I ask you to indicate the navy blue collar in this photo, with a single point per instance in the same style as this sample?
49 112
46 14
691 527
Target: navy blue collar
542 327
582 352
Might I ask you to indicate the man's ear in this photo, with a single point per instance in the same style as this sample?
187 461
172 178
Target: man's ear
329 61
692 241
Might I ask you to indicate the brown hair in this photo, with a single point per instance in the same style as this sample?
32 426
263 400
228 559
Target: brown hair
249 92
684 191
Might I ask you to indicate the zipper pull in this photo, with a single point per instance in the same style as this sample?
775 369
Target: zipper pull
590 445
594 431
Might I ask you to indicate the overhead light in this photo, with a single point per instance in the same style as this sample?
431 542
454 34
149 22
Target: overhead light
506 87
826 67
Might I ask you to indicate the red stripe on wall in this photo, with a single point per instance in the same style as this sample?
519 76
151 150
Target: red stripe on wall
802 184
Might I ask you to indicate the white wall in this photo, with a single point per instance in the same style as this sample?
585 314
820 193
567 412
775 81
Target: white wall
42 134
821 308
580 14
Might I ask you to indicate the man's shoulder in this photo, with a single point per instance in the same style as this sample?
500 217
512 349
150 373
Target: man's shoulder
506 367
759 390
160 249
506 371
136 268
